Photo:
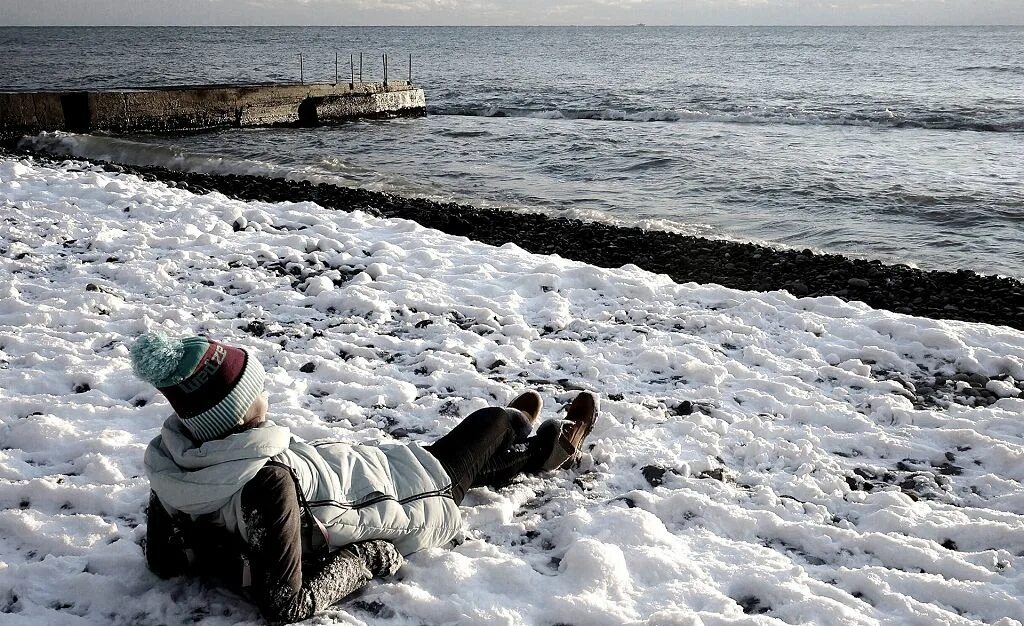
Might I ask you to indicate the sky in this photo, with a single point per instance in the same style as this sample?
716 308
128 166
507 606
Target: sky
507 12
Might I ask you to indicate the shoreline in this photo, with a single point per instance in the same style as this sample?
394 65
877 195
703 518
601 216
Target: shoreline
960 295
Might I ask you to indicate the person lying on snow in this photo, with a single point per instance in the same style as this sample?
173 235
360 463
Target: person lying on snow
300 525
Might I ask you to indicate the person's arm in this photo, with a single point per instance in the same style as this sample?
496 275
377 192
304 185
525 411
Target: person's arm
165 548
281 590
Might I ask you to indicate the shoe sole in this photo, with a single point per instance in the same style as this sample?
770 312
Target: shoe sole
581 427
528 398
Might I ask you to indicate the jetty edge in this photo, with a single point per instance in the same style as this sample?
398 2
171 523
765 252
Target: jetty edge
205 107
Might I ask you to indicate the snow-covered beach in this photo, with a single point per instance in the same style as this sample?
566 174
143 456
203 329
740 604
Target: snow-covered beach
759 458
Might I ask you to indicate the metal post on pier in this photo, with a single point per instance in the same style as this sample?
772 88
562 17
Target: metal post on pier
410 68
351 71
385 70
360 68
302 80
335 67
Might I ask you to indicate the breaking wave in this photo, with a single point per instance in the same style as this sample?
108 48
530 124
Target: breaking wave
138 153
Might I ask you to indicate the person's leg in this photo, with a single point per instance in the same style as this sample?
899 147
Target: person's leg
524 458
556 444
465 450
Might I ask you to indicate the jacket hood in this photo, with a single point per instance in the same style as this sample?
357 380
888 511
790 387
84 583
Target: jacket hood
201 478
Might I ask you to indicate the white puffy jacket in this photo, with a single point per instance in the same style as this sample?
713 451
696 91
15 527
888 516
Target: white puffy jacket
392 491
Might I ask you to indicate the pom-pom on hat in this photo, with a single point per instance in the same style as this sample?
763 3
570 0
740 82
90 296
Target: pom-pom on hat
210 385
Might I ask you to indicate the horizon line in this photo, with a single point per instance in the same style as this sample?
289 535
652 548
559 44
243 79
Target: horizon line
632 25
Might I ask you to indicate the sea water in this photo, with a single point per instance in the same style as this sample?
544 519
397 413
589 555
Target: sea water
899 143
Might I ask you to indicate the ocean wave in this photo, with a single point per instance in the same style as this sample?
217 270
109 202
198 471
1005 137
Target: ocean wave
138 153
127 152
956 121
1000 69
329 170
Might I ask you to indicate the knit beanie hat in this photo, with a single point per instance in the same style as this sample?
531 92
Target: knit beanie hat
210 385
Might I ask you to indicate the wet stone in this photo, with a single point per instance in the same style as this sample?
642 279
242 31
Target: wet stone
654 474
715 474
256 328
752 605
375 608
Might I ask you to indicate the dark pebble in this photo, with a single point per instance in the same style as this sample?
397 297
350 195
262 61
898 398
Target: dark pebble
375 608
716 474
256 328
752 605
977 380
654 474
684 408
797 288
308 368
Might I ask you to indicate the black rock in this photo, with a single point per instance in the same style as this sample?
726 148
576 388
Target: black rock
977 380
684 408
752 605
308 368
716 474
797 288
375 608
654 474
256 328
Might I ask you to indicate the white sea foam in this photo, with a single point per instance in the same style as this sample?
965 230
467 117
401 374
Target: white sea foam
128 152
791 396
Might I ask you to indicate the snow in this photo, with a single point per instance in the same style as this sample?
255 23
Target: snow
799 485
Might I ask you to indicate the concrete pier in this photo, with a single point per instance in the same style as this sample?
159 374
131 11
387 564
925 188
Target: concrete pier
169 109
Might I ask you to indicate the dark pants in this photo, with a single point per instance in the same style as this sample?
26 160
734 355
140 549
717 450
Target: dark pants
481 451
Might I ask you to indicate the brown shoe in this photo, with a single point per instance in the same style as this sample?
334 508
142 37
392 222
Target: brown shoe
527 409
530 403
579 421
